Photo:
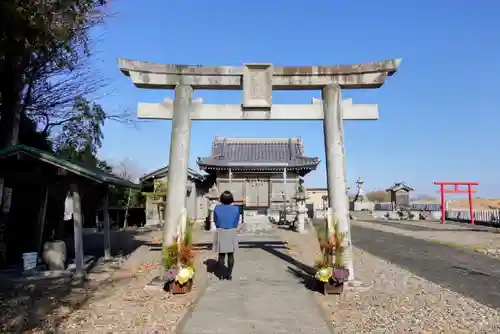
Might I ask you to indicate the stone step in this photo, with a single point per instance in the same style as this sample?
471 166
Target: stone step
256 225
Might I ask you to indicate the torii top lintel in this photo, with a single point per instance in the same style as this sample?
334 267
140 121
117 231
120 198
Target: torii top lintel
167 76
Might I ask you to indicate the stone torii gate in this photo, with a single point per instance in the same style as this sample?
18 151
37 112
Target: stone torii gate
257 82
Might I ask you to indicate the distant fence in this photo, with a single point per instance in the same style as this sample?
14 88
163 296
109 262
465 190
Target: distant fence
485 216
414 206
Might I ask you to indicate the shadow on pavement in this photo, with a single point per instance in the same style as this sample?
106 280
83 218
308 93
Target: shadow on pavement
298 269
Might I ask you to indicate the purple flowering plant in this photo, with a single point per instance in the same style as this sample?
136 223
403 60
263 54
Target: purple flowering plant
339 275
171 274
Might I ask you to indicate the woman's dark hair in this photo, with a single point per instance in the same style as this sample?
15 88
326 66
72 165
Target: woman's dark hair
226 197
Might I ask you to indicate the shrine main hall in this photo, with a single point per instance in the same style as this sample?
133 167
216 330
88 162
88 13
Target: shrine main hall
262 173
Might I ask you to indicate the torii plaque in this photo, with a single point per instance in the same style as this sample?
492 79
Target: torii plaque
257 82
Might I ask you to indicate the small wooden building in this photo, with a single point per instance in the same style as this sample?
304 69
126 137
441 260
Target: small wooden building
260 172
34 188
196 202
400 195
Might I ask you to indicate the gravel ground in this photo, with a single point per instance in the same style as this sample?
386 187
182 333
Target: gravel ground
394 300
114 300
479 239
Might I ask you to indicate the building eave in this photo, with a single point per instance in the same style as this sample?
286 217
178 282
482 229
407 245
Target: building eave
306 162
257 167
162 172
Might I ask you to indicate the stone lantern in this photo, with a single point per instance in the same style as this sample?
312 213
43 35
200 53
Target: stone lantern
300 199
361 202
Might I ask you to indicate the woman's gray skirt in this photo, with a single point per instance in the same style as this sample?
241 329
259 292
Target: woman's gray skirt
225 241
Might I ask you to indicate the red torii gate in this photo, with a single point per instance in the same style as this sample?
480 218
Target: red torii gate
456 190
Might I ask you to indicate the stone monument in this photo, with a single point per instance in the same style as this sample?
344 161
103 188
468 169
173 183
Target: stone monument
257 82
300 200
361 202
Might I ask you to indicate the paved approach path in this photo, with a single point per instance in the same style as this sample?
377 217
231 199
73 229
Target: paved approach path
264 296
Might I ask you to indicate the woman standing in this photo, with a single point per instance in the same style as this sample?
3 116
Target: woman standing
227 218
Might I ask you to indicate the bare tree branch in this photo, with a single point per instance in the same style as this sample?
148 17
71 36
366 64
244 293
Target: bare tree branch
44 50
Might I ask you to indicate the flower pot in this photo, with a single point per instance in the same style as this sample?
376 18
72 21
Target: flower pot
177 288
333 288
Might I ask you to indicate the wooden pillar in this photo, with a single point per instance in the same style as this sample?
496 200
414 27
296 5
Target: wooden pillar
78 229
107 236
1 191
41 218
3 246
443 206
125 221
471 205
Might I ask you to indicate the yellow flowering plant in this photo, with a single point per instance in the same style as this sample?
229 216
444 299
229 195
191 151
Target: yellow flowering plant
179 258
329 267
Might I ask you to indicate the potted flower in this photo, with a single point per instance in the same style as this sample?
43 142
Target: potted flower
178 262
180 281
329 270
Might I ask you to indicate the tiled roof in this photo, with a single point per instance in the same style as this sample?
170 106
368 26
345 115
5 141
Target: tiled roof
398 186
162 172
258 153
94 174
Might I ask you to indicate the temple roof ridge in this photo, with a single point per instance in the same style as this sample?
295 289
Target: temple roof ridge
256 139
257 152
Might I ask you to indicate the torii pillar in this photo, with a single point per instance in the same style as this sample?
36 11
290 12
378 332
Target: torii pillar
257 82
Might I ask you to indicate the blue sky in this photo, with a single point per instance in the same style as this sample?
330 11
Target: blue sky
439 115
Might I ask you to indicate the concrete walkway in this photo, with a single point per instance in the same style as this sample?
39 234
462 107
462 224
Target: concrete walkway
264 296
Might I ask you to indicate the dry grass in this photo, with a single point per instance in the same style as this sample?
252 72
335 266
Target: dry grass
463 203
479 203
113 300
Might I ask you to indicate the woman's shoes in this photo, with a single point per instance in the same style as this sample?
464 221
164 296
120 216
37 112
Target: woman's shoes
226 277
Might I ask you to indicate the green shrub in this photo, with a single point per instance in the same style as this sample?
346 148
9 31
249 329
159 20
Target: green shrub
170 255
